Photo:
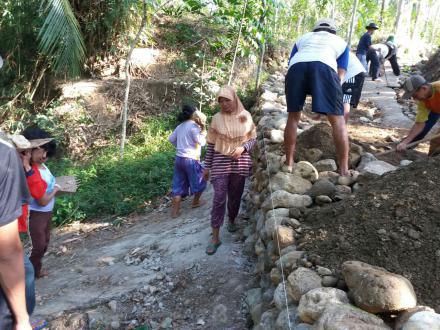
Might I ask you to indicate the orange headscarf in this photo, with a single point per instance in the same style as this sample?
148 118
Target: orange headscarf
231 130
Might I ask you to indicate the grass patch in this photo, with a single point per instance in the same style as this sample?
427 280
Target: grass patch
110 186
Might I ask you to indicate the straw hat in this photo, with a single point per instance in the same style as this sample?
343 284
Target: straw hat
21 143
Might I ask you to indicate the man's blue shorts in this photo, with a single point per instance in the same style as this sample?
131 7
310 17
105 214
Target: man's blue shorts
318 80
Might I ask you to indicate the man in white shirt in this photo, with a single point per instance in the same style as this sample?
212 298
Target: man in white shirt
317 65
353 83
379 53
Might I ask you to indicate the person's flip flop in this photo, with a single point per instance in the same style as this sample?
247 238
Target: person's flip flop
212 248
232 227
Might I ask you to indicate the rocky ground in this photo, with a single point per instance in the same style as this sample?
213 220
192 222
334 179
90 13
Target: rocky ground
319 238
151 272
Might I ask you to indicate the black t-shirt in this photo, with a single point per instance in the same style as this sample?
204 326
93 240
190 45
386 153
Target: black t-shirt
13 186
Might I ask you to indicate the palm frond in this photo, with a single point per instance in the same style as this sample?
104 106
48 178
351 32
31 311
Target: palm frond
60 37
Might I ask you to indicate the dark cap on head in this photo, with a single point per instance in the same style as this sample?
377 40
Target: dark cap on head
372 26
412 84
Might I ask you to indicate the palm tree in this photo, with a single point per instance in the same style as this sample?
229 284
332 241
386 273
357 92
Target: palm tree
60 38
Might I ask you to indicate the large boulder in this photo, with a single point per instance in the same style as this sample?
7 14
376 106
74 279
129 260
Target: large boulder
312 155
280 298
404 316
289 182
306 170
378 167
424 320
282 322
284 236
302 280
268 319
322 187
289 260
376 290
276 136
365 159
326 165
284 199
314 302
348 317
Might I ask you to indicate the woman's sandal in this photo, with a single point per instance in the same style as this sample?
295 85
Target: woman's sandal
212 248
232 227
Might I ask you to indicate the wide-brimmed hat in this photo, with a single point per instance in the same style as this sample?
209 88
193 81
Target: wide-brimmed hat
412 84
21 143
372 26
325 23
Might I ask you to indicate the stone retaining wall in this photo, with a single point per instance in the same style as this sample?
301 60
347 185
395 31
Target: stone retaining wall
294 291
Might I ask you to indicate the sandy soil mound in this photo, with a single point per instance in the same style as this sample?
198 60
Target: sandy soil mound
394 222
318 136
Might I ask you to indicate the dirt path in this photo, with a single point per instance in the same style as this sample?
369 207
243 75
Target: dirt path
383 95
153 272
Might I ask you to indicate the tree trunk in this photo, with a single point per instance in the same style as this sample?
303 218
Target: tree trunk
382 9
236 45
128 79
434 25
353 19
398 14
415 31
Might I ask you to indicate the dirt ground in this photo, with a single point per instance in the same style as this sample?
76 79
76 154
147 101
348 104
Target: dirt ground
153 268
392 222
151 272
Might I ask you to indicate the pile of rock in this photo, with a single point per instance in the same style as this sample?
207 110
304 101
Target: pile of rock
294 291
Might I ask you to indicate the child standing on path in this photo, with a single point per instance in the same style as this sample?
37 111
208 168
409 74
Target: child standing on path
188 138
40 217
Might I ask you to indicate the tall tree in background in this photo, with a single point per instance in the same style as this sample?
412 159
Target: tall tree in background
352 22
398 15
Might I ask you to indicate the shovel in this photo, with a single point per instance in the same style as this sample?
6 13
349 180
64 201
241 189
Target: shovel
412 144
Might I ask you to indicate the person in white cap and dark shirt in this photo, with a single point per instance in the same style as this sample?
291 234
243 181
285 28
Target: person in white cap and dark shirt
317 67
427 96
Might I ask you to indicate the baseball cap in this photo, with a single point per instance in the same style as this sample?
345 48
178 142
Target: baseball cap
372 26
412 84
325 23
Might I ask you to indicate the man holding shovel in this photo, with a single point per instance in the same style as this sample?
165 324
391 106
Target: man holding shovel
428 110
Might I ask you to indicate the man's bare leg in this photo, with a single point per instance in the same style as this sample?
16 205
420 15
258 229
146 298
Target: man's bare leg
346 112
290 137
340 138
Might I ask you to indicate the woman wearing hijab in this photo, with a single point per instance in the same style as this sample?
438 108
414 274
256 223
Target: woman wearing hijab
230 138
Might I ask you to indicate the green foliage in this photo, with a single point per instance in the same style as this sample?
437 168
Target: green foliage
110 186
60 38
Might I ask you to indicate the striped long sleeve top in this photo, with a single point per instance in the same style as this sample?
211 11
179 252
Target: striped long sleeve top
219 164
